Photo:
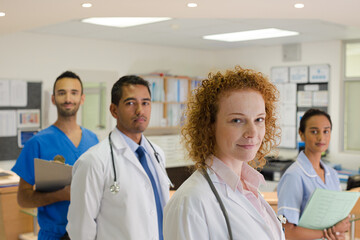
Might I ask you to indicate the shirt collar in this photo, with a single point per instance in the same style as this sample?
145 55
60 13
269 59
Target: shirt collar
307 167
252 177
133 145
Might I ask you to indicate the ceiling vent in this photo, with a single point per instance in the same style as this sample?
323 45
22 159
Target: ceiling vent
291 52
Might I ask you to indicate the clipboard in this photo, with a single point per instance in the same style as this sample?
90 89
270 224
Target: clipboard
51 176
326 208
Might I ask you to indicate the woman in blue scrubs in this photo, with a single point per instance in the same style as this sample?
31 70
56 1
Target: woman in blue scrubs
305 175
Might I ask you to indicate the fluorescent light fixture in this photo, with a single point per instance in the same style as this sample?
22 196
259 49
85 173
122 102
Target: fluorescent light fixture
2 14
192 5
299 5
123 22
251 35
86 5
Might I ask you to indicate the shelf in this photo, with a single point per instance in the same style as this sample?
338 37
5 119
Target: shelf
156 131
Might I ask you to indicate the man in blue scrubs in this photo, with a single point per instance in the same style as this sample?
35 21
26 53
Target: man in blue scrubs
66 138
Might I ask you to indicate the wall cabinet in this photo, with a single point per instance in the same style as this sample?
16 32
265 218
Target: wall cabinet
168 95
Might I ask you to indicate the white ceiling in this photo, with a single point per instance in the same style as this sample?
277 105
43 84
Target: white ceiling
320 20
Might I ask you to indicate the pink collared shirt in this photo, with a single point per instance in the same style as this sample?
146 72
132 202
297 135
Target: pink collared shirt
253 179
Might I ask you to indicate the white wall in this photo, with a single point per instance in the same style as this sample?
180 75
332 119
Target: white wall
264 58
43 57
36 57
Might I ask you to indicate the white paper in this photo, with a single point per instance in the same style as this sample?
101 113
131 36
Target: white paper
4 93
319 73
288 137
311 87
280 74
18 93
8 123
299 74
289 93
320 98
288 115
304 99
28 118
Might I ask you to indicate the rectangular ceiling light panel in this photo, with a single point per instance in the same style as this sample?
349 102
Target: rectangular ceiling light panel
251 35
123 22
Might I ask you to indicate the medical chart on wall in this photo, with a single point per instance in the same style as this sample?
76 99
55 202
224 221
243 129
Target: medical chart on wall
20 114
300 88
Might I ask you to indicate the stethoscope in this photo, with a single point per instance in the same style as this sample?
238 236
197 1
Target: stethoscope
281 218
115 188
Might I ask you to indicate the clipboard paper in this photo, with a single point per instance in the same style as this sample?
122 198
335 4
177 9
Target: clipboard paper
326 208
51 176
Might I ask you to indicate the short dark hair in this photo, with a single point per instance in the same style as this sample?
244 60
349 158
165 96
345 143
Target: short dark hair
68 74
116 91
310 113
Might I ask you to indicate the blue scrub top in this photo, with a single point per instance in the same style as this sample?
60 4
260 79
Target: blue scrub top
297 185
46 145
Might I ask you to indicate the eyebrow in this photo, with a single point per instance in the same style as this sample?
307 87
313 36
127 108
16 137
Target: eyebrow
260 114
63 90
134 99
318 128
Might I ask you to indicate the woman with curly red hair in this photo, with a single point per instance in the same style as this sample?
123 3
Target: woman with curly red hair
230 126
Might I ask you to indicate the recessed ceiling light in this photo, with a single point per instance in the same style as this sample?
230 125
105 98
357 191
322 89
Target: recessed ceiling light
299 5
192 5
251 35
2 14
86 5
123 22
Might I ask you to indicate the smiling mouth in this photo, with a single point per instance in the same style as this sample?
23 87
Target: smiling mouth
247 146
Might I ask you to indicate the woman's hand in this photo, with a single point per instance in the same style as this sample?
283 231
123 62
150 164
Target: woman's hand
343 225
337 232
331 234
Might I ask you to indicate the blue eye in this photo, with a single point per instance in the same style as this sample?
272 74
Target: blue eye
260 119
236 120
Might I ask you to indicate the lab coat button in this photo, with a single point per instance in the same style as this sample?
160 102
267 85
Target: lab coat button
152 212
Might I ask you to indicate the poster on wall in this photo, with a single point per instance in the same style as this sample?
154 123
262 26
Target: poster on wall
299 74
18 93
4 93
28 118
280 74
319 73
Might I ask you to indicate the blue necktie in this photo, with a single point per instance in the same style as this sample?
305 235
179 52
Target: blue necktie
141 153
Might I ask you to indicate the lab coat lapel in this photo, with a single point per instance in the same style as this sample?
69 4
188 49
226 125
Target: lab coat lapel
161 171
249 208
120 145
273 214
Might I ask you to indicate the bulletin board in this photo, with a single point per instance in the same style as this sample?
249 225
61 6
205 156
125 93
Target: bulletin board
9 147
301 88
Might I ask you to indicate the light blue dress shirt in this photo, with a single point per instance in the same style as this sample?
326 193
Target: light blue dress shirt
134 146
297 185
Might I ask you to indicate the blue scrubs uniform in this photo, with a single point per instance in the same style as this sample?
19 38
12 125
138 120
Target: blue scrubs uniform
46 145
297 185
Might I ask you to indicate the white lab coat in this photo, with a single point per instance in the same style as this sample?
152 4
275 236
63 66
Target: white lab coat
193 213
96 213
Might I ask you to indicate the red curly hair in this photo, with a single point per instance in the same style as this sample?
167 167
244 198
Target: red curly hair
198 134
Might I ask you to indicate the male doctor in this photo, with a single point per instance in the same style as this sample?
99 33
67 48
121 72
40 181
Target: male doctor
119 186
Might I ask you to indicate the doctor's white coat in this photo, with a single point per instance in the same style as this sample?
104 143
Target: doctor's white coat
96 213
193 213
